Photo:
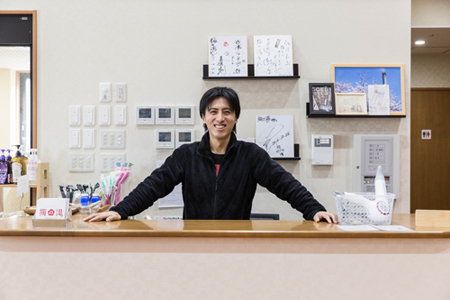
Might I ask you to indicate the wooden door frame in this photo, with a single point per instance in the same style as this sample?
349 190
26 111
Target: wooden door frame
33 67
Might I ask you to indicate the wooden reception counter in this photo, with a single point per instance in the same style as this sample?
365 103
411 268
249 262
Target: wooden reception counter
213 228
148 259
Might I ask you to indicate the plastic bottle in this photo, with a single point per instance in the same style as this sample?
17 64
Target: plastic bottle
95 198
19 158
84 202
32 166
16 171
9 162
3 168
24 162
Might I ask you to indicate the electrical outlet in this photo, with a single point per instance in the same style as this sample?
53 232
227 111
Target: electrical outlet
108 161
81 162
112 139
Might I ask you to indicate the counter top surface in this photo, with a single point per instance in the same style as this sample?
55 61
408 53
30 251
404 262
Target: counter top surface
21 226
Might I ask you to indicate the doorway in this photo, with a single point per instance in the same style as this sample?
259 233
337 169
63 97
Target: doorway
430 154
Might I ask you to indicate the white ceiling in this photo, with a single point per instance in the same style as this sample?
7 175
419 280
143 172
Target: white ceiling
437 40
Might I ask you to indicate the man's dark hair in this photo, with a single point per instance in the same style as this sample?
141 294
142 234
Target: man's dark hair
216 92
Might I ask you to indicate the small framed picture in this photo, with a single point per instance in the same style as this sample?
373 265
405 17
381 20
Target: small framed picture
363 78
321 98
351 104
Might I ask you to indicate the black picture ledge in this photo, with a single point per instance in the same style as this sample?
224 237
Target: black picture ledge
251 74
296 154
309 115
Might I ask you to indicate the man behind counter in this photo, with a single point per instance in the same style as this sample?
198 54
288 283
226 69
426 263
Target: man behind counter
219 174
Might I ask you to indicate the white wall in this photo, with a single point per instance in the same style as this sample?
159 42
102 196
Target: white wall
430 13
158 48
430 70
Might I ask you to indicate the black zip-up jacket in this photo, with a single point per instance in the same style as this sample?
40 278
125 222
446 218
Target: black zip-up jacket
227 196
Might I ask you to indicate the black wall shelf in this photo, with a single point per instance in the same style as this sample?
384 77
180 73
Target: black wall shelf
309 115
251 74
296 154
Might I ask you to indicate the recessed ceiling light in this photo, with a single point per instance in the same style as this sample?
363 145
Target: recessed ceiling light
419 42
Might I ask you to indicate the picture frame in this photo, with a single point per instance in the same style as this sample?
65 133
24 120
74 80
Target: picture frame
322 99
356 78
351 104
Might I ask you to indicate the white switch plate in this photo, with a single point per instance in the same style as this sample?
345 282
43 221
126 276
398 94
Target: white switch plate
105 115
74 138
81 162
121 92
105 92
89 138
89 115
112 139
74 115
108 161
121 115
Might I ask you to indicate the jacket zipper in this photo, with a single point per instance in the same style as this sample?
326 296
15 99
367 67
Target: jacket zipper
217 179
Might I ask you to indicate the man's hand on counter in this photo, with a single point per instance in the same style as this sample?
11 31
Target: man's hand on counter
323 215
108 215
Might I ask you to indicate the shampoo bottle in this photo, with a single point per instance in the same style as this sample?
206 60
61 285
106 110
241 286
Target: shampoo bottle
16 171
9 162
17 165
24 162
32 166
3 168
17 159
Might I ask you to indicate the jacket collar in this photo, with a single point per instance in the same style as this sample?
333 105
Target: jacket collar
204 147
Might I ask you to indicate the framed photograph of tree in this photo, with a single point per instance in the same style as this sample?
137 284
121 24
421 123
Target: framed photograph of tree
321 98
358 78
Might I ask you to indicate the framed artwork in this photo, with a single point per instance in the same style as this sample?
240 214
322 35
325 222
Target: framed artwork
351 104
321 98
358 78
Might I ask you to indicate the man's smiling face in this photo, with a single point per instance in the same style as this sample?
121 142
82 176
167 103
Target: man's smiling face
220 119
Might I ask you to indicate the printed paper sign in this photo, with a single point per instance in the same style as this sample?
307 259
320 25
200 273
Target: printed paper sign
23 185
51 208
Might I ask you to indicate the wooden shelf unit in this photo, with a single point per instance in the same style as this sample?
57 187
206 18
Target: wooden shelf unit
38 190
250 74
309 115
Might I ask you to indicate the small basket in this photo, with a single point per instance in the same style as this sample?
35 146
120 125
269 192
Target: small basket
364 208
